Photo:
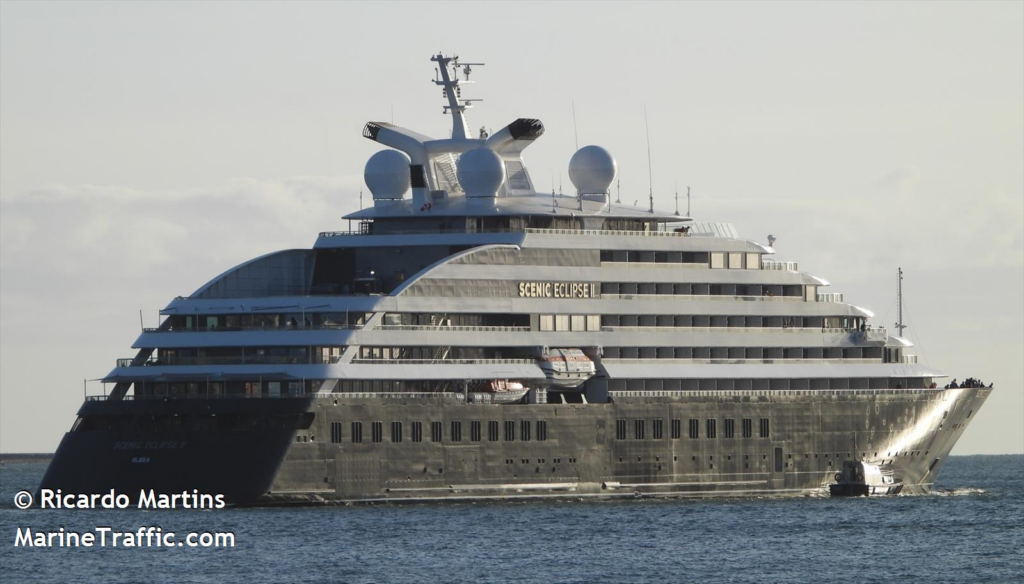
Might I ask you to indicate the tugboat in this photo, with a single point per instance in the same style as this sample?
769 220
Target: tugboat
859 479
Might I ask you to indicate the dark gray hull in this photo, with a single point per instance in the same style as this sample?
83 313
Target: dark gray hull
909 432
811 433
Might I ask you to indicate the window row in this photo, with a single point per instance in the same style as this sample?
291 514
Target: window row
290 355
693 428
701 289
714 259
260 320
731 321
743 353
829 383
506 430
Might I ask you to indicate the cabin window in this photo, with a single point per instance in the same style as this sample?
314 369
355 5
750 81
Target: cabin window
456 431
638 429
417 431
492 431
658 429
357 432
717 260
435 431
547 322
735 261
712 429
753 261
510 430
677 429
396 431
694 428
764 429
542 430
377 431
335 432
474 431
730 427
620 429
524 430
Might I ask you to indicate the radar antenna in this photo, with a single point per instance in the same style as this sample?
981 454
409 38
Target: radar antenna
447 76
677 198
899 304
650 174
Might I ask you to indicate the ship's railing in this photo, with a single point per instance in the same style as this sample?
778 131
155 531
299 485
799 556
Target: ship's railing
836 297
767 264
605 232
540 230
446 361
300 327
766 392
441 395
737 360
758 298
873 334
239 360
469 328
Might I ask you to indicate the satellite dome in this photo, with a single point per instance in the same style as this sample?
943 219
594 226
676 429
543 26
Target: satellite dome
387 175
481 172
592 170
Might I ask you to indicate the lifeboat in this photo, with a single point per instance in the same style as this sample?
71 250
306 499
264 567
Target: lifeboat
498 391
567 368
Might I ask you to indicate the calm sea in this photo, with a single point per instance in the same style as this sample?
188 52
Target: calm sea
970 530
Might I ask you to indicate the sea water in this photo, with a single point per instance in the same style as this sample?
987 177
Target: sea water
971 529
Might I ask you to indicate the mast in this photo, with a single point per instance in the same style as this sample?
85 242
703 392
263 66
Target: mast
448 69
899 304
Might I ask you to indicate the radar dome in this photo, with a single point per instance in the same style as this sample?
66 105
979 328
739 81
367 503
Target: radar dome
481 172
592 170
387 175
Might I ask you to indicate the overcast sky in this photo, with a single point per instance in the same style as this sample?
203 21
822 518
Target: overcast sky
146 147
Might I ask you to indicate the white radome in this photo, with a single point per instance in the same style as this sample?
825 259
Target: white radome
481 172
387 175
592 170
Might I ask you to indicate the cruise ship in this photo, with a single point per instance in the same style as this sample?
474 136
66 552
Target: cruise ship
469 337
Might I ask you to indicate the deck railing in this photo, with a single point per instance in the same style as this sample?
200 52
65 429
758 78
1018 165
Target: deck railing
539 230
467 328
321 327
